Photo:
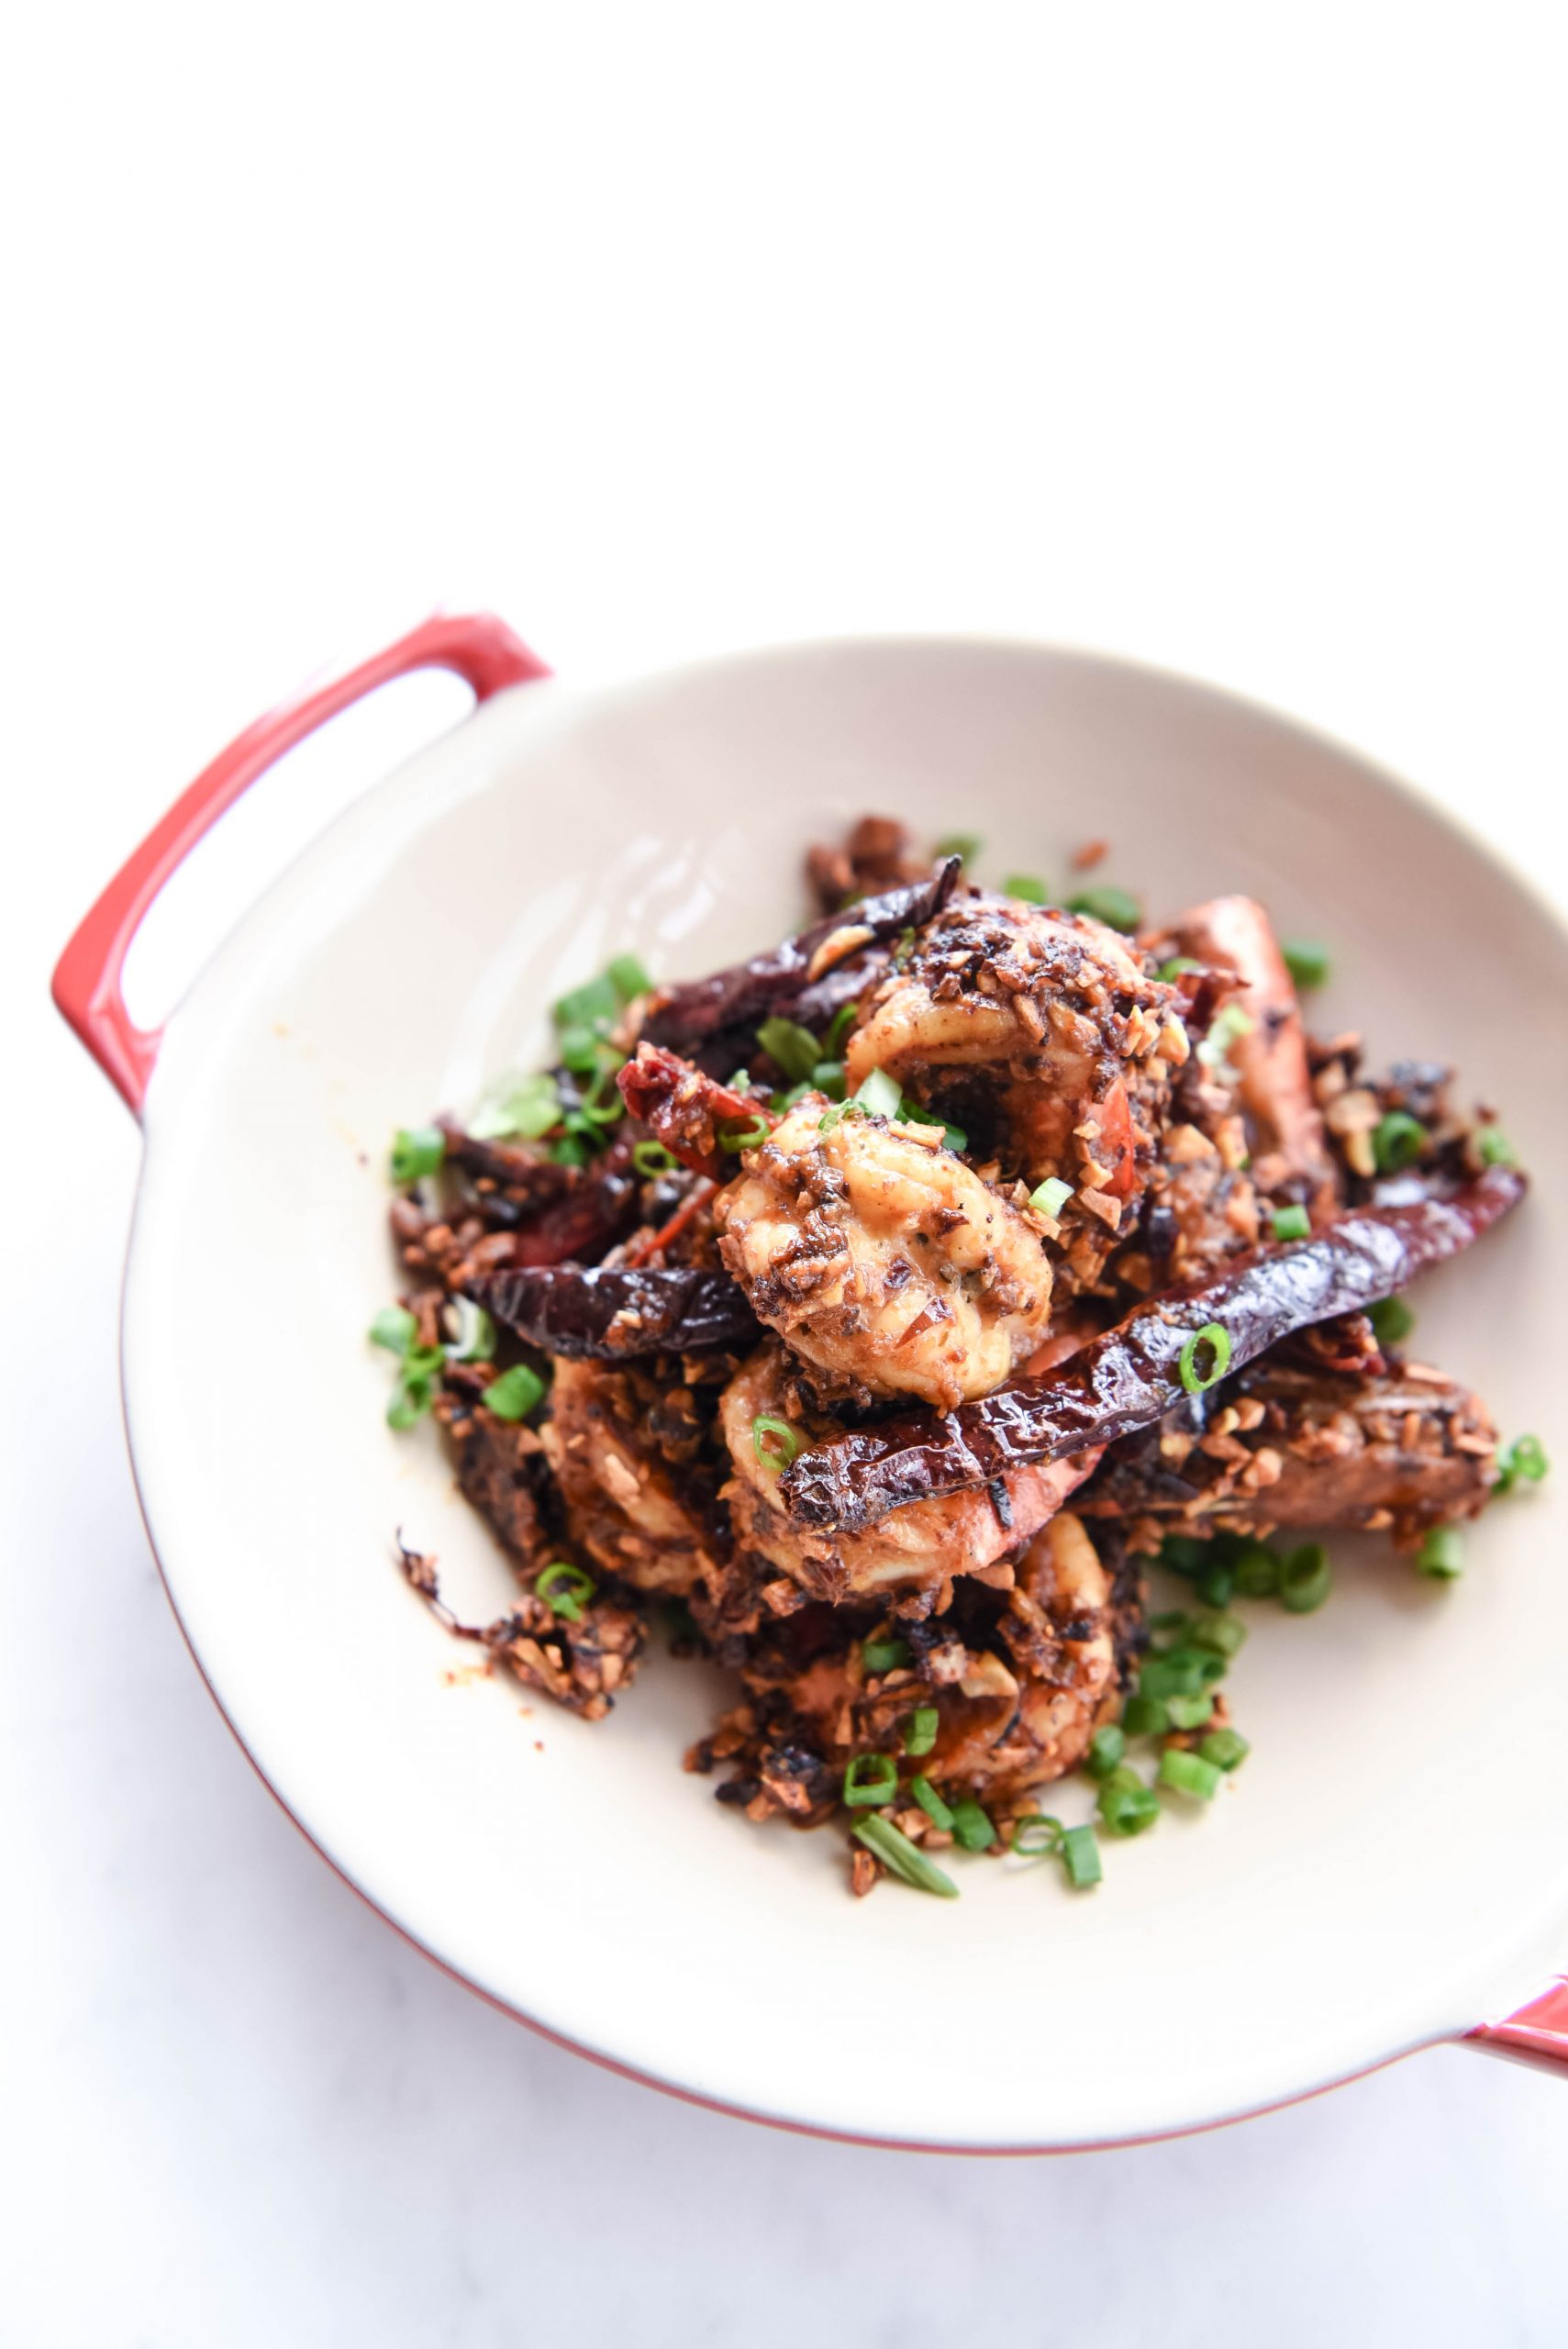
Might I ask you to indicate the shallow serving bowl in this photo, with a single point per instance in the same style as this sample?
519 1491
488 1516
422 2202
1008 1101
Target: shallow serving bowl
1389 1869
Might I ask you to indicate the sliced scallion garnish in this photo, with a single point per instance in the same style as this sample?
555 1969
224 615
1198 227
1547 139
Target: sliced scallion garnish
966 845
529 1108
901 1858
393 1328
1051 1197
1398 1140
1189 1774
514 1395
879 1097
1081 1857
629 978
870 1779
1391 1319
1209 1345
417 1150
473 1333
1305 1579
884 1654
1029 887
565 1589
651 1160
1175 968
1115 907
1494 1148
796 1049
1226 1748
1441 1554
921 1735
774 1442
931 1803
1292 1223
971 1826
1525 1457
1105 1750
1307 962
747 1137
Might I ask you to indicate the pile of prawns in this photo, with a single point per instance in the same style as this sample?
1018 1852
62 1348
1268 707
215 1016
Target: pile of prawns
885 1303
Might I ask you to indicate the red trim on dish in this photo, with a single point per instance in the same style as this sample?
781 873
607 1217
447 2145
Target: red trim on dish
1537 2034
475 647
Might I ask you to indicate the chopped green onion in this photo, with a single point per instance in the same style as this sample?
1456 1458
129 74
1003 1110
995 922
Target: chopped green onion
827 1077
905 948
1050 1197
842 1021
629 978
1226 1748
755 1131
1292 1223
514 1395
418 1378
1224 1633
1033 1837
740 1082
1217 1338
1524 1457
953 1137
1081 1857
780 1103
1126 1805
1215 1586
393 1328
473 1331
1174 1619
931 1803
1305 1579
568 1152
1027 885
1145 1715
921 1735
884 1655
1391 1319
774 1442
961 844
411 1398
1229 1024
970 1826
794 1047
595 1005
1183 1554
840 1110
879 1097
1176 967
902 1858
1441 1554
563 1589
530 1107
1398 1140
870 1778
1186 1672
1494 1148
1257 1571
582 1049
1190 1773
1105 1748
1115 907
1307 962
651 1160
418 1150
1189 1712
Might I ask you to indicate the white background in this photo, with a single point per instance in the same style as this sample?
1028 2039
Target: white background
1228 335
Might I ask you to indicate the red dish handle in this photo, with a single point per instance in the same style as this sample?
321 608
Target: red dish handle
1537 2034
476 646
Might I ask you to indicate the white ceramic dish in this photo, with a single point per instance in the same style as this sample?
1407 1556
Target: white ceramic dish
1390 1868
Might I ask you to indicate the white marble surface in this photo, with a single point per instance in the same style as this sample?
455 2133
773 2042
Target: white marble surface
1212 335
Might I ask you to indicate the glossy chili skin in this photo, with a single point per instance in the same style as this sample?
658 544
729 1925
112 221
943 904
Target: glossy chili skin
748 991
1131 1377
610 1313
